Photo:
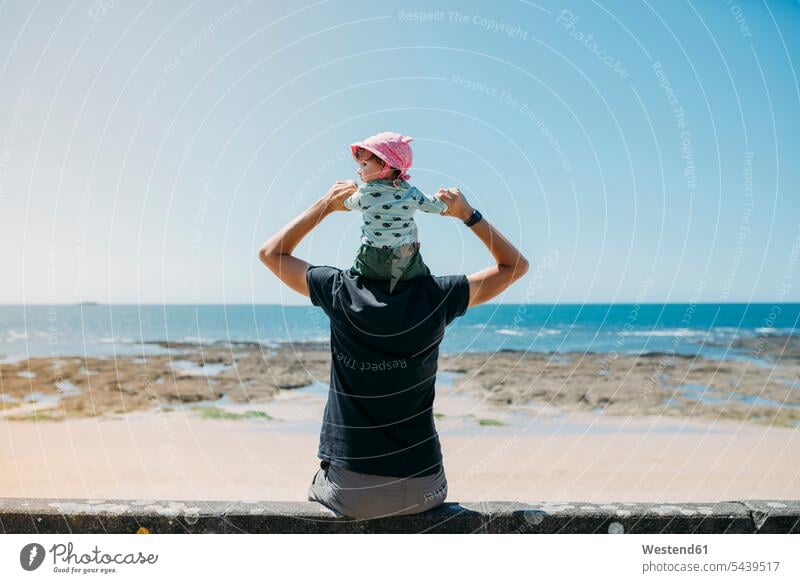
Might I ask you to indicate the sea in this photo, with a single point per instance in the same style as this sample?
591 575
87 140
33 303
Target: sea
101 330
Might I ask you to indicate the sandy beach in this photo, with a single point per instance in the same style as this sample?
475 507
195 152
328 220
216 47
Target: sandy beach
242 421
175 457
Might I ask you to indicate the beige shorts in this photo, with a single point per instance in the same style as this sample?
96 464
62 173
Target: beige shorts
360 495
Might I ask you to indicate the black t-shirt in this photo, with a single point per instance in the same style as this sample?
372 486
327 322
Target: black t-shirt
384 356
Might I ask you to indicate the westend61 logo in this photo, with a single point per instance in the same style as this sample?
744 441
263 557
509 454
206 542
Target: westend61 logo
33 555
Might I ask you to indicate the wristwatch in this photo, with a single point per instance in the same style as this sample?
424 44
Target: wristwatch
476 216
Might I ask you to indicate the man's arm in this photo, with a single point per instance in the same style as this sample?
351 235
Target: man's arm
511 264
276 253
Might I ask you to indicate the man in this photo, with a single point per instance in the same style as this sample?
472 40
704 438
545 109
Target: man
379 449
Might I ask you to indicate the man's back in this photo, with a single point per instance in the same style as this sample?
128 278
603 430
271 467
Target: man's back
385 350
385 345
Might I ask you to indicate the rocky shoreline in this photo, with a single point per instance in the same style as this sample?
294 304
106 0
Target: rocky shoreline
649 384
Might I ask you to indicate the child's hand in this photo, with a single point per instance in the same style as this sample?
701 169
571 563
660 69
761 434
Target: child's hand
457 205
338 193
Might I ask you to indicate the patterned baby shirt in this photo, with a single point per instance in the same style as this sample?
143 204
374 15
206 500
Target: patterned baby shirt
388 212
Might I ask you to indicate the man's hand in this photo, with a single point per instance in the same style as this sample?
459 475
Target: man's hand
457 205
336 195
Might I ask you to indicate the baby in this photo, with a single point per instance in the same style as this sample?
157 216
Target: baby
389 243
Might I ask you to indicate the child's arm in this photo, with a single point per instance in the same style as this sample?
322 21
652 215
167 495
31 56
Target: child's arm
429 204
353 202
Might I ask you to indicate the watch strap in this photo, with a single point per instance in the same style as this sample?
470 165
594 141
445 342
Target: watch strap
476 216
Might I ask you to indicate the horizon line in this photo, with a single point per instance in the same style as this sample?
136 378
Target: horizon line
309 305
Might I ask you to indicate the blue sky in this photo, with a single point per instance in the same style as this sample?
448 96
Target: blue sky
635 151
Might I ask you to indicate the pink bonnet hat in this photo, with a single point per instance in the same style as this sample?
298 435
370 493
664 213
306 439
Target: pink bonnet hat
390 147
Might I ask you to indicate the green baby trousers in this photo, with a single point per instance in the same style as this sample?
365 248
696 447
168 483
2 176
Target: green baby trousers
395 263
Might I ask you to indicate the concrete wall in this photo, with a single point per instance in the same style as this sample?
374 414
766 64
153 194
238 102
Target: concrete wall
28 515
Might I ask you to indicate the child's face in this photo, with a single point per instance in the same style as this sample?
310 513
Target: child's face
370 167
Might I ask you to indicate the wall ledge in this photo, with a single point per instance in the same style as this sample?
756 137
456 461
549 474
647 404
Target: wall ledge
78 516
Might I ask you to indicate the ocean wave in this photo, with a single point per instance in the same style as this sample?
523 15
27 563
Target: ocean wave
542 332
668 332
776 331
508 332
212 340
112 340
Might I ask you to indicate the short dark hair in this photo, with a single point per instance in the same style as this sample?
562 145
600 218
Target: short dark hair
395 172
